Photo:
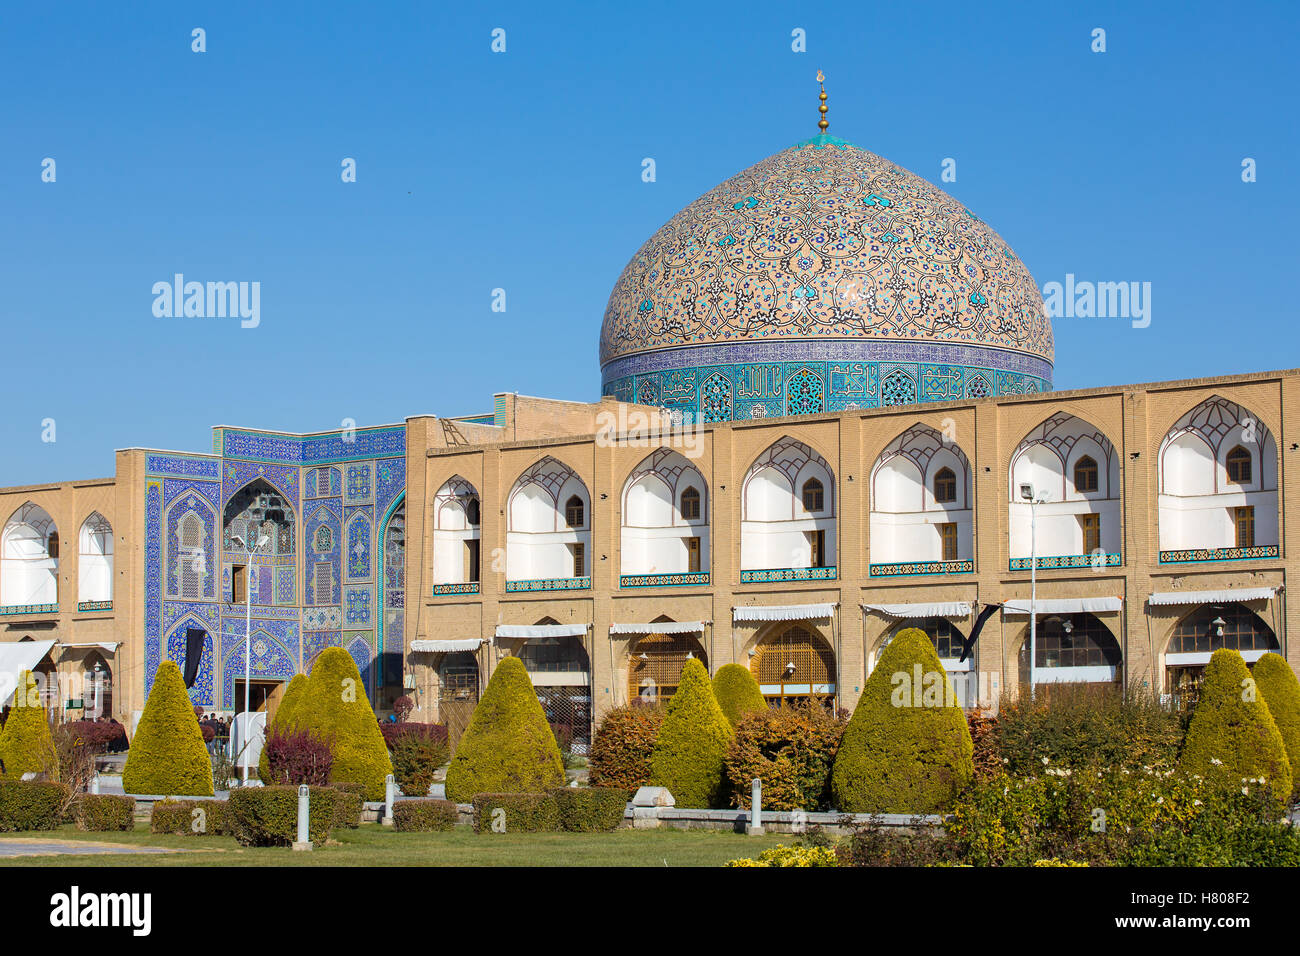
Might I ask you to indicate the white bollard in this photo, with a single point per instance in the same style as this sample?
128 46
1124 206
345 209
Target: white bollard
390 795
304 816
755 827
94 783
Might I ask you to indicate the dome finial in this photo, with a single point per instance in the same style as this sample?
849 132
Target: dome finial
822 124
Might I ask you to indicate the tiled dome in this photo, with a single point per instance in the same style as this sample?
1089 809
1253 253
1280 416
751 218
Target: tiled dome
822 277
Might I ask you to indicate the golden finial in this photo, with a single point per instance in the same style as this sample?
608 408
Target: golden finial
822 124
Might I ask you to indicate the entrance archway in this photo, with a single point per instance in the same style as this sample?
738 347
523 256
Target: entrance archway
655 666
795 665
1209 628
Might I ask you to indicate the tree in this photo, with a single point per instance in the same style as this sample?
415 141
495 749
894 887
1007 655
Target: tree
737 692
334 707
907 748
26 745
167 755
1277 682
508 747
692 744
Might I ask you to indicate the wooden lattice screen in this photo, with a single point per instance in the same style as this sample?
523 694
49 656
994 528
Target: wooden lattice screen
813 660
654 676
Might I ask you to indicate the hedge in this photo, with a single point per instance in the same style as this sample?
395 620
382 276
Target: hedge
26 745
692 743
268 816
167 755
792 750
624 742
104 812
31 805
283 721
336 709
348 804
907 748
180 817
422 816
737 692
1281 691
508 747
1232 736
590 809
523 812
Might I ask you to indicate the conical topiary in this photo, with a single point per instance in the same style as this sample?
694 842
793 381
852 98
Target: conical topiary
907 748
692 743
167 755
1281 691
335 708
26 745
737 692
508 747
284 718
1232 737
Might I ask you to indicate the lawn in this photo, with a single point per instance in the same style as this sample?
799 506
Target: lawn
373 845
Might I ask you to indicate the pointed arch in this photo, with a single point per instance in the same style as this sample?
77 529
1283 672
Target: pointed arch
95 561
780 537
921 514
29 558
665 521
457 532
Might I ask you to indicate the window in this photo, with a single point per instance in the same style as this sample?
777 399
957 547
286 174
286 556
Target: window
817 549
52 545
472 512
323 582
471 559
690 505
945 486
813 495
1085 474
693 555
1244 519
1090 525
948 538
191 533
324 538
573 512
1075 640
322 482
1238 463
238 584
579 551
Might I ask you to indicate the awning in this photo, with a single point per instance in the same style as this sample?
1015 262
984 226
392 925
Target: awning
541 630
1095 605
446 647
14 659
942 609
109 646
787 612
1163 598
660 627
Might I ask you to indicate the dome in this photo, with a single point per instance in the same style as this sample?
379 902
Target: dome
822 278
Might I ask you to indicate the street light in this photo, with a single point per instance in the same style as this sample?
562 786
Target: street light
262 541
1027 493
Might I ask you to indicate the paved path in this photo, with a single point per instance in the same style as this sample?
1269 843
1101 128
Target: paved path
29 846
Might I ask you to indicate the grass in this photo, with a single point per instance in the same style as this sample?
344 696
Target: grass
373 845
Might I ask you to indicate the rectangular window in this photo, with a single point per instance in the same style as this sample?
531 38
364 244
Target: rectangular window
238 584
817 545
948 539
471 560
322 483
323 582
693 555
579 559
1090 525
1244 518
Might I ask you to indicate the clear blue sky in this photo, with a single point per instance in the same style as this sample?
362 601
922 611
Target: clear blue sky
522 171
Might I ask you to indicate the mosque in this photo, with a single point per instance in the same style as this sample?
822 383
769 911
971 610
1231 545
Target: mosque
825 414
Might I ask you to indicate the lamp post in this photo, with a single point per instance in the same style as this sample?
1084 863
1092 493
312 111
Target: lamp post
1027 493
262 541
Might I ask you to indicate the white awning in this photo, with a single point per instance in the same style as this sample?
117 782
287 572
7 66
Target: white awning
787 612
1095 605
446 647
660 627
1163 598
942 609
14 659
109 646
541 630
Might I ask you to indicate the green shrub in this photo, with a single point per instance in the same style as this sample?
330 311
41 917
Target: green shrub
1232 737
191 817
421 816
508 746
790 749
624 742
348 804
167 755
31 805
523 812
907 748
26 744
104 812
335 709
691 749
284 720
737 692
591 809
781 855
1081 726
1281 691
268 816
417 753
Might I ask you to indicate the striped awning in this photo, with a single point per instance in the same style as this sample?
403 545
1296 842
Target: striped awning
447 647
541 630
907 611
660 627
1162 598
785 612
1094 605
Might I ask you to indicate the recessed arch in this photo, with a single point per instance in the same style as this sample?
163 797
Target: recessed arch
29 558
655 665
793 663
921 503
95 560
777 531
665 529
457 533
